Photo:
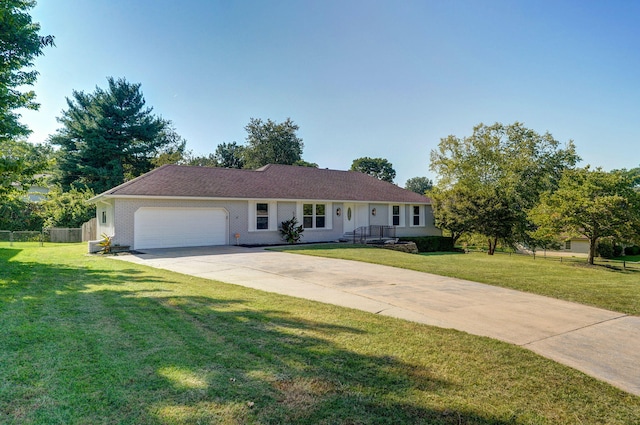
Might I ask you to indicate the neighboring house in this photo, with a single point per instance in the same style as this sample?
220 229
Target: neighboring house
37 192
577 245
179 206
566 245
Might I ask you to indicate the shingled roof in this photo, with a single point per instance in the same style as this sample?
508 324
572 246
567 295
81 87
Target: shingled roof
268 182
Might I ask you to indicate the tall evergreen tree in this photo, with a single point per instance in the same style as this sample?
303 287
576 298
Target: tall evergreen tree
109 136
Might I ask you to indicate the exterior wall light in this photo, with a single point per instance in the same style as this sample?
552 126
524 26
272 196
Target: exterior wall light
373 211
338 211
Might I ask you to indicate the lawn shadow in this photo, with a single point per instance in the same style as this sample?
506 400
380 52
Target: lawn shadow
92 344
7 254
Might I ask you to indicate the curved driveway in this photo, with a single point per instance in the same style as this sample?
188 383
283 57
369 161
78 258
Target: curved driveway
600 343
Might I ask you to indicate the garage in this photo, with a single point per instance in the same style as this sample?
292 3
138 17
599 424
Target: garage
156 227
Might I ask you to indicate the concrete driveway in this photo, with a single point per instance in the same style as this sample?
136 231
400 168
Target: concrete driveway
600 343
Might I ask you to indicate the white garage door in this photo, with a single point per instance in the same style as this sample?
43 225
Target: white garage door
179 227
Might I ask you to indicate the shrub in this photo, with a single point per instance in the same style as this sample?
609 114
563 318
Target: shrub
105 243
605 248
291 231
67 209
617 250
632 250
18 214
431 243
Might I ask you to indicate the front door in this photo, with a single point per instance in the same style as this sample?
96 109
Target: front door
349 218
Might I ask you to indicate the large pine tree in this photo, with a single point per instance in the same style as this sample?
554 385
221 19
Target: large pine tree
108 137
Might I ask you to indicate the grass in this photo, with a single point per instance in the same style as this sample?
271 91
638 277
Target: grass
634 258
571 280
90 340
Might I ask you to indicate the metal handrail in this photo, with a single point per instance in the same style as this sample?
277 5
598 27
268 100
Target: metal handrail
376 232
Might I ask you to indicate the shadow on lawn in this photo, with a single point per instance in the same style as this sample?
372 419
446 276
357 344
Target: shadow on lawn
79 349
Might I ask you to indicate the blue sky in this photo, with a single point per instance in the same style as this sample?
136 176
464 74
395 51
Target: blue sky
361 78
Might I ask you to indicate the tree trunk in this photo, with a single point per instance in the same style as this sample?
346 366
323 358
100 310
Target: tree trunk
492 246
592 249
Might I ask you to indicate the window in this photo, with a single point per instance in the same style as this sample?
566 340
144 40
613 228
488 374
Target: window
395 214
567 245
104 217
416 215
314 216
262 216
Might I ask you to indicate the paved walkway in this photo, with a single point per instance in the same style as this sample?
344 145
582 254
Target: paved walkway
600 343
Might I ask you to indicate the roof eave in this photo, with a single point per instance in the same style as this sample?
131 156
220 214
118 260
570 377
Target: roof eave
98 198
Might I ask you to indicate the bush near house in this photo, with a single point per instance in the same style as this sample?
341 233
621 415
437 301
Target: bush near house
632 250
608 249
431 243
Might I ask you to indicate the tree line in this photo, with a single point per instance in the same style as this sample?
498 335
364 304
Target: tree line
106 137
512 185
504 183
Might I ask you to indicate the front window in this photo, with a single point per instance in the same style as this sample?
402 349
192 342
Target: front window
396 215
416 215
314 216
104 217
262 216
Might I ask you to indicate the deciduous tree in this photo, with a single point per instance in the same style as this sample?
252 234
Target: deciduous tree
593 203
20 44
20 162
379 168
67 209
303 163
419 185
503 169
174 152
202 160
230 155
452 211
272 143
17 213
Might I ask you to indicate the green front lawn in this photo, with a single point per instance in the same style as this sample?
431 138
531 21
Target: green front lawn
91 340
634 258
571 280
